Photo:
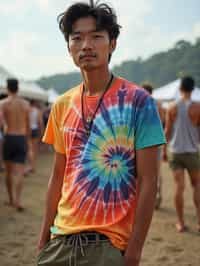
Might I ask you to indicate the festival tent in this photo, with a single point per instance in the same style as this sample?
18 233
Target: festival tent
29 90
32 90
171 92
52 95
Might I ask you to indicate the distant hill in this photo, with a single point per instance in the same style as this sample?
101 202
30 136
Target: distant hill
60 82
159 69
164 67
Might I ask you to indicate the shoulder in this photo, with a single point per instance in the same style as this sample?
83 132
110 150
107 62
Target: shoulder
172 107
64 100
129 85
195 106
24 103
137 93
2 101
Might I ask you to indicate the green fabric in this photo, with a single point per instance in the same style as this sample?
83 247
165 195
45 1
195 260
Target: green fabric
59 253
189 161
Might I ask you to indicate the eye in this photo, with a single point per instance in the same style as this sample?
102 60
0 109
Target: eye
97 36
76 38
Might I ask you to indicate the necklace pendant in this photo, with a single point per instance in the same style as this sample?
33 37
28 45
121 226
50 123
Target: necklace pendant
89 119
88 133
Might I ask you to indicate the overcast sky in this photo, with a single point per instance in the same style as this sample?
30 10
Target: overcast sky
31 45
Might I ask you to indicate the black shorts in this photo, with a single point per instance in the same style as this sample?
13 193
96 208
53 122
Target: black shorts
15 148
35 133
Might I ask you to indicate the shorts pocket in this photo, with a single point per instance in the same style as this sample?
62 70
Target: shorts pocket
41 250
115 256
50 252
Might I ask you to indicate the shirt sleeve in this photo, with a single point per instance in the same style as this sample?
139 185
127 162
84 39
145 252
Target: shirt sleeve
54 133
148 130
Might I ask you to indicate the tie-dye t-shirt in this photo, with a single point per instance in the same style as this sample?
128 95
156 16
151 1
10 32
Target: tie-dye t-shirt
99 190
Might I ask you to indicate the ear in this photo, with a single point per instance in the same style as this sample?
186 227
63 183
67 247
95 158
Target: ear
113 44
69 51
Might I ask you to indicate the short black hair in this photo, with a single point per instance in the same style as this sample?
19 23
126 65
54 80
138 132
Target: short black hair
32 102
187 84
12 85
104 15
148 87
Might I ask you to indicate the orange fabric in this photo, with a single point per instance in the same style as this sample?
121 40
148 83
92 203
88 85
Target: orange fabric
100 184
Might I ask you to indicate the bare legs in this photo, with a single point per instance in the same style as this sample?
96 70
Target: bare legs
32 154
195 182
19 186
179 196
9 182
159 187
14 188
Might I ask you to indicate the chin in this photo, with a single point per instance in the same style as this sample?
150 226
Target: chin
88 67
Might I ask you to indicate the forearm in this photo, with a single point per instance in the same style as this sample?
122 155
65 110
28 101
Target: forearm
144 212
54 188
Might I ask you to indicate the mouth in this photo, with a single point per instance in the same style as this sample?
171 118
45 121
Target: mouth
87 57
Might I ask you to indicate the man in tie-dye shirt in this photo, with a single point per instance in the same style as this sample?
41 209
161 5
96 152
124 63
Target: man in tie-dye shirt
105 133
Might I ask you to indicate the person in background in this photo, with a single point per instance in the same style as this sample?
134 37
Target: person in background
98 206
1 141
16 118
45 116
46 113
36 126
182 133
148 87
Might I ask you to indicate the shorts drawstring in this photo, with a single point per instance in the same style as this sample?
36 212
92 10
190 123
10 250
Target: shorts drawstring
76 241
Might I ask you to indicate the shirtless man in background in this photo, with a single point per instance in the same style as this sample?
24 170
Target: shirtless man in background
16 118
182 133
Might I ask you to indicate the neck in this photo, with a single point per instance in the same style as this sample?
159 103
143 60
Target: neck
95 81
186 96
12 95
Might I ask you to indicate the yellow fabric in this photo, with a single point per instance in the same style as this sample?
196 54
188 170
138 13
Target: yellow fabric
99 190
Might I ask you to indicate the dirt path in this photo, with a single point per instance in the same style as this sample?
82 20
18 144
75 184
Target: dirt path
164 246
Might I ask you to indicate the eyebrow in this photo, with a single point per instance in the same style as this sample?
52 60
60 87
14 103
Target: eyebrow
79 32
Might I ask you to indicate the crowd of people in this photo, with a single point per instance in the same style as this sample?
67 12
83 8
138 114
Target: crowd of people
22 126
109 137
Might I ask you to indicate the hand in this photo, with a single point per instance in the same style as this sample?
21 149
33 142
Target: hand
40 246
165 157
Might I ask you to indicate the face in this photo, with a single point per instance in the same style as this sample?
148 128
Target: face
89 48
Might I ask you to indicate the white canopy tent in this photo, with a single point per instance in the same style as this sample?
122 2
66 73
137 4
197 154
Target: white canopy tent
171 92
52 95
29 90
33 91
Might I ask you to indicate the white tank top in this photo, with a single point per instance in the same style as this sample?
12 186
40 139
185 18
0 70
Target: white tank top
34 118
185 136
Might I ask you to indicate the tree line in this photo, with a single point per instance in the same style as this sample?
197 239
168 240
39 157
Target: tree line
159 69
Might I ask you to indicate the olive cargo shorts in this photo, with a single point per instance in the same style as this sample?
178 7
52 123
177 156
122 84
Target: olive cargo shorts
189 161
78 251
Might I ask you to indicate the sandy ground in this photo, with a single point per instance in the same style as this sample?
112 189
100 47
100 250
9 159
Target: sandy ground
163 247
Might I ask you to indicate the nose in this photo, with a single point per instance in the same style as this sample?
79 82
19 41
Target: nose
87 43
